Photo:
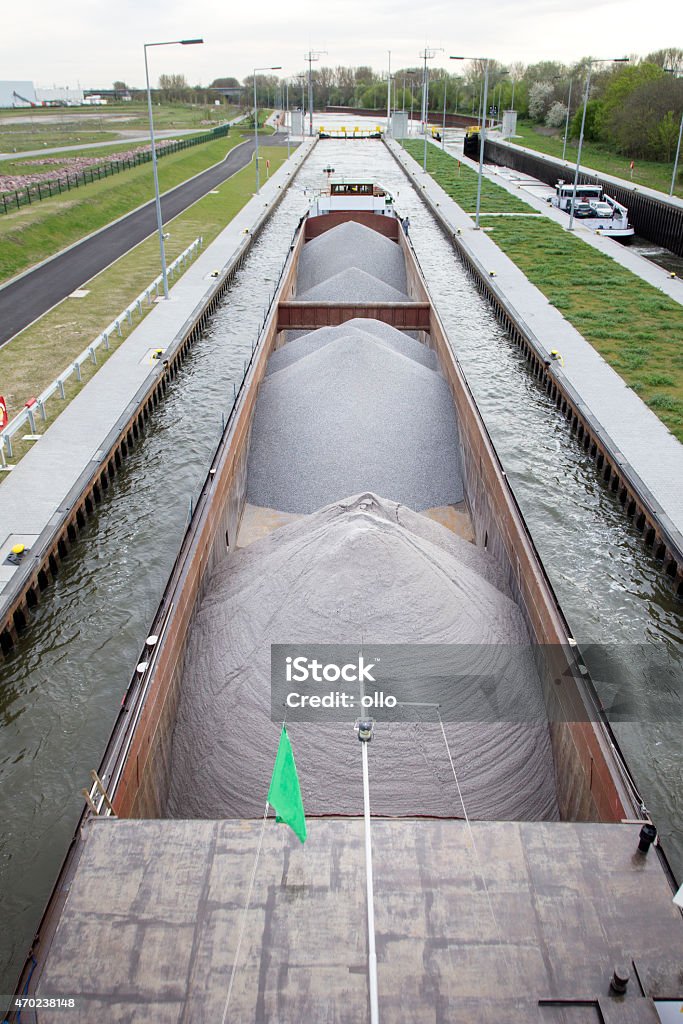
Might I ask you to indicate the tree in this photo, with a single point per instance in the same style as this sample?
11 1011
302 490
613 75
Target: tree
594 112
557 115
646 124
174 88
225 83
540 98
671 59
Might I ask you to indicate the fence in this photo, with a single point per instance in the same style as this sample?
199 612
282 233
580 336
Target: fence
68 181
28 413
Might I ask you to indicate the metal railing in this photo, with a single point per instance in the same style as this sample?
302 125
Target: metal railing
89 354
67 180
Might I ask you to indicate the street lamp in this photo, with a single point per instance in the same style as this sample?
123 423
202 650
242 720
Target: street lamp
160 226
482 130
566 124
427 54
678 153
599 60
258 177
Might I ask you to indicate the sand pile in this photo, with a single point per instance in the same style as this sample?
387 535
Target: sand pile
362 568
351 415
310 341
353 285
351 245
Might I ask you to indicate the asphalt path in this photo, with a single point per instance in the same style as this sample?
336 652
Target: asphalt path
30 296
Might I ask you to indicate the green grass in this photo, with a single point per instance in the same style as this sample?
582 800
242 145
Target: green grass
36 356
37 231
635 327
45 127
649 173
461 183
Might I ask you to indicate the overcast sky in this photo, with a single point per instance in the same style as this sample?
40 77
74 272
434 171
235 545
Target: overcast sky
95 44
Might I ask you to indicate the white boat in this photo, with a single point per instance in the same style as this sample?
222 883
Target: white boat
595 208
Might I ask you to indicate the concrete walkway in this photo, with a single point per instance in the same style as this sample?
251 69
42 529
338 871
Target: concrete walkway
534 192
36 494
636 433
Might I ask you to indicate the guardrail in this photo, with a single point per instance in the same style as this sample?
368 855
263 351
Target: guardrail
66 181
89 354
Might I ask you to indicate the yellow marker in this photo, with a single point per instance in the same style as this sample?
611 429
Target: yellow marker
18 549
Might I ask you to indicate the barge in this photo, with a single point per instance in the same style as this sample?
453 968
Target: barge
356 500
596 209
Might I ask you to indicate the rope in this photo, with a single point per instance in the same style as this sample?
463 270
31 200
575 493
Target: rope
244 915
474 845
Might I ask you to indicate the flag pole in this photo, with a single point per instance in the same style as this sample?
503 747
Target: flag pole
365 735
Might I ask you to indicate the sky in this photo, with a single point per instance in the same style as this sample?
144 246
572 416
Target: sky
95 44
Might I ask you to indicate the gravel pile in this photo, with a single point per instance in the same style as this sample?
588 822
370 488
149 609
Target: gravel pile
364 568
353 285
350 416
357 328
351 245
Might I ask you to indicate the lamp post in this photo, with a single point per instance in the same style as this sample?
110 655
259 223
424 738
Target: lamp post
287 128
678 153
600 60
427 54
443 127
482 131
389 96
157 197
258 175
310 57
566 124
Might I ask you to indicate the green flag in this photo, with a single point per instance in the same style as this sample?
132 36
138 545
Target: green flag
284 793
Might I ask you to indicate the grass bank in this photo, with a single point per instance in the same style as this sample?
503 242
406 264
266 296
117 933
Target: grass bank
44 127
36 356
636 328
649 173
461 183
35 232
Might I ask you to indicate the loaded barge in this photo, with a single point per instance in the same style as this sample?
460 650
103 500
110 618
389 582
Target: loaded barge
356 499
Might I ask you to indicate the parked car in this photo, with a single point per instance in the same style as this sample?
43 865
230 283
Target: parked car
581 209
600 209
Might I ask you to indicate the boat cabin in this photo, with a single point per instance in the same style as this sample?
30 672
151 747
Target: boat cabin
346 193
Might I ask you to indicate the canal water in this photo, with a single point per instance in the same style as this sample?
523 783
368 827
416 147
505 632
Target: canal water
63 684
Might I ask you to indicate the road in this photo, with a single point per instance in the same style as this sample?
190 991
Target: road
31 296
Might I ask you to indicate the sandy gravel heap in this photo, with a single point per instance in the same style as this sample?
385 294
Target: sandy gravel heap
361 568
354 412
347 246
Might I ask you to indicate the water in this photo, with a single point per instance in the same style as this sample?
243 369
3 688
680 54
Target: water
62 686
664 258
